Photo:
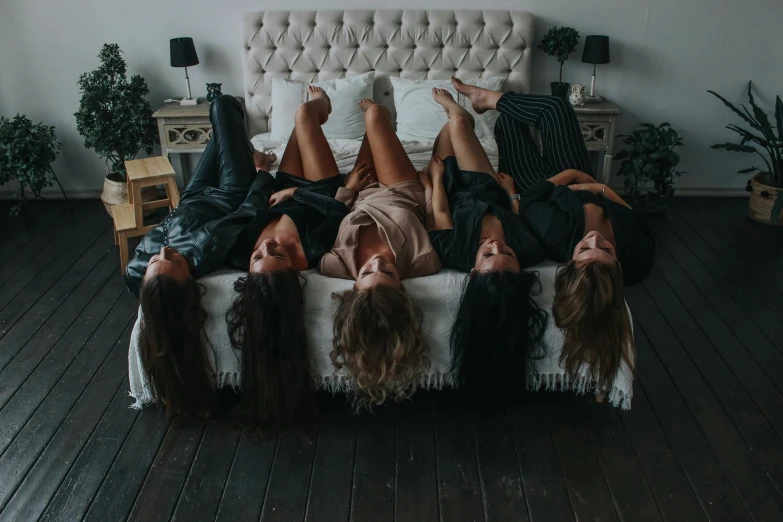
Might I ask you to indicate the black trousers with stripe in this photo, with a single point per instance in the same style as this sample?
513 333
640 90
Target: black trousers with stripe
562 145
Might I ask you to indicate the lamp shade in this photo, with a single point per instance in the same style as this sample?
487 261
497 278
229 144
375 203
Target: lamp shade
596 49
183 52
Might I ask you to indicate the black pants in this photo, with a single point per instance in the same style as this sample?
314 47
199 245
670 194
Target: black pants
227 163
562 145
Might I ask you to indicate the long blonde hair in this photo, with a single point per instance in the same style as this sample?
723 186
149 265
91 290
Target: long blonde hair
378 338
590 309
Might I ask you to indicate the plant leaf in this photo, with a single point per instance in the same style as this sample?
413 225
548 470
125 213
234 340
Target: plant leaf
779 117
748 170
733 147
736 111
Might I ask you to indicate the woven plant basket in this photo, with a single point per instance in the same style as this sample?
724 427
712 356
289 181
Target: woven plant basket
116 192
762 199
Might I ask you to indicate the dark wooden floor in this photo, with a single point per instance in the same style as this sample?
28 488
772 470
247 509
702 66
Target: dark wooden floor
704 439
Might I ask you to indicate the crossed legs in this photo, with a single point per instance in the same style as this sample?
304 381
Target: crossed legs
563 147
458 138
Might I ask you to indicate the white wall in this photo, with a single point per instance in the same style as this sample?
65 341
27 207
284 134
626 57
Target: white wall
665 55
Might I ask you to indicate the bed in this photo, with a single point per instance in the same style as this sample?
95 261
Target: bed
313 46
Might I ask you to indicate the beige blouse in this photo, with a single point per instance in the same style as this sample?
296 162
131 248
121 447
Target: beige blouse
399 212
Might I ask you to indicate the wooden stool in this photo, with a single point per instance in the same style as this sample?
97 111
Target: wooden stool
129 217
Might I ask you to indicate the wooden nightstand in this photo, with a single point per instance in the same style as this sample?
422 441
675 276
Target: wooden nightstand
599 127
184 129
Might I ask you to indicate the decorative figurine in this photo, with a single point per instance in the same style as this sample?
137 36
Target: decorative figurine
577 96
213 91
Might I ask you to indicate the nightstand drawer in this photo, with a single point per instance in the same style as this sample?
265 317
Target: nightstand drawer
192 137
596 133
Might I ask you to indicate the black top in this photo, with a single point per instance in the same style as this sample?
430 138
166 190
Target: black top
314 211
203 228
472 195
556 215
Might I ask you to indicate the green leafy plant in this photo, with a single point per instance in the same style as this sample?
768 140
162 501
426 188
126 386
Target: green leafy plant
560 42
114 116
26 153
649 165
765 138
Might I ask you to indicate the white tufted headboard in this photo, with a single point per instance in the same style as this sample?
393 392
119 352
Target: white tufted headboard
310 46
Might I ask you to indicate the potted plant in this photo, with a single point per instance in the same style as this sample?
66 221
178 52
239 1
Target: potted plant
560 42
766 185
27 151
115 119
649 166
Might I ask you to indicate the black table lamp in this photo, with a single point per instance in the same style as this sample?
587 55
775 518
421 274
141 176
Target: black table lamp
596 52
183 54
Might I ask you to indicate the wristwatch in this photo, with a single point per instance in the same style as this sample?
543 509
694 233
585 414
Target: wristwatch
514 197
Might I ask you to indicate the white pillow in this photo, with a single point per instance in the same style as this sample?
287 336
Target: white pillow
287 96
485 123
346 119
418 114
420 117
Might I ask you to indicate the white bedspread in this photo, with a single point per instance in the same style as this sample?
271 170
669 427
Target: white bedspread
437 295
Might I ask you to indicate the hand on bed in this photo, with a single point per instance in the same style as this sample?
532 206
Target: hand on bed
263 161
361 176
282 195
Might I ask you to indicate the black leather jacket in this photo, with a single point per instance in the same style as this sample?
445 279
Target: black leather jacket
204 228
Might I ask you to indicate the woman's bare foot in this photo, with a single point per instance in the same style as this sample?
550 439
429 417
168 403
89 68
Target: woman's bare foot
317 93
262 160
483 100
366 103
445 100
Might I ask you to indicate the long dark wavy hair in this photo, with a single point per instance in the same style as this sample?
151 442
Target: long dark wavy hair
497 334
590 309
266 322
174 348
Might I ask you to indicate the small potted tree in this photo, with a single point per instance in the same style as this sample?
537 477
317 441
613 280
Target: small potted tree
27 151
560 42
649 166
766 186
115 119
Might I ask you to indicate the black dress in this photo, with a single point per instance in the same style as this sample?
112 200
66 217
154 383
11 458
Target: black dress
556 215
472 195
313 209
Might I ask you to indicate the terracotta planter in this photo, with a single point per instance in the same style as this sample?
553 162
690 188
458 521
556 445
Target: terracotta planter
115 192
762 199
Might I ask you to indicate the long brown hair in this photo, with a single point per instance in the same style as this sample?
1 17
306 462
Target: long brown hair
266 322
378 338
173 346
590 309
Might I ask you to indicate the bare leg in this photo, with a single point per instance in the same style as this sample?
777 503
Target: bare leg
443 148
310 148
392 164
292 158
483 100
467 147
365 152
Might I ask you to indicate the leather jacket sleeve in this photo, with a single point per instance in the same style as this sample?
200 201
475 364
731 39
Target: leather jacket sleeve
226 231
325 205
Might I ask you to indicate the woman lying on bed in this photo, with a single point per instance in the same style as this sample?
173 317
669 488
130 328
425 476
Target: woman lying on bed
377 328
266 320
580 222
192 241
498 327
